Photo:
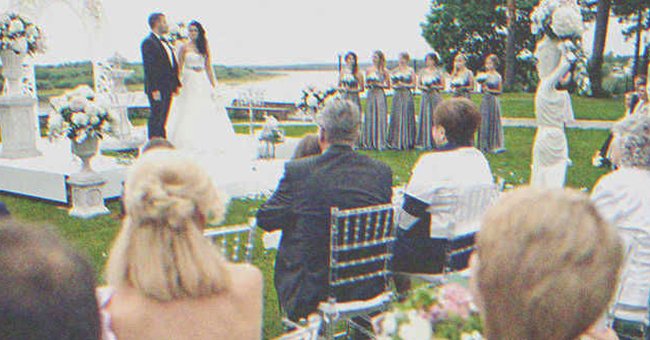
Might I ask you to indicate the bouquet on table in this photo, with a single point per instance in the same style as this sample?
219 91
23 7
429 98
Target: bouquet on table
20 35
271 131
78 116
312 99
430 313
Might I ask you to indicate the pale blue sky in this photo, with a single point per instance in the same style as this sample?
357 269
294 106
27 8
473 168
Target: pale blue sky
261 32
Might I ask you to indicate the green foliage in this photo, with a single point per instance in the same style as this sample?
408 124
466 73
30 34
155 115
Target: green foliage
478 28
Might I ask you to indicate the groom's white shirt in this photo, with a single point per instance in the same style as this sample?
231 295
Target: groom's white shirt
168 49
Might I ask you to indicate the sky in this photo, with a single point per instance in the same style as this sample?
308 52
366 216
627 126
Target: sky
259 32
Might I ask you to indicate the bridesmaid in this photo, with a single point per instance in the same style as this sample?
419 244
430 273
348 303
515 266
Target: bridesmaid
373 129
401 130
462 79
430 82
490 135
351 80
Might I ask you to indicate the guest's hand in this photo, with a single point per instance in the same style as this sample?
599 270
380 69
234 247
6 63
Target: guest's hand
156 95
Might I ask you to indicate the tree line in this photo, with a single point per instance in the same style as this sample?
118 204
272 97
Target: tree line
502 27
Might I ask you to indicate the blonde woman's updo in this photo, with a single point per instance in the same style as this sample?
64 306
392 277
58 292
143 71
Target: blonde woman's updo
161 251
165 189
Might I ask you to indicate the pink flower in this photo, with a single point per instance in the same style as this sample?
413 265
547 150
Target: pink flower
456 300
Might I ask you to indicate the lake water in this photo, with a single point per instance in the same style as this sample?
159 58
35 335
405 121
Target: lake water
287 86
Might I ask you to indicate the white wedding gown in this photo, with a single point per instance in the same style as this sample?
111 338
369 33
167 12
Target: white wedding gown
198 125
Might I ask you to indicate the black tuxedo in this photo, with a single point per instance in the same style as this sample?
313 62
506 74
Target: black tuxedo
159 75
301 206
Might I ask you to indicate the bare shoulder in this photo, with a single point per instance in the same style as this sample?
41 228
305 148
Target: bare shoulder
245 277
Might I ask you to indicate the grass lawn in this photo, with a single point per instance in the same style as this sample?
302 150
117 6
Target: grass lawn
94 237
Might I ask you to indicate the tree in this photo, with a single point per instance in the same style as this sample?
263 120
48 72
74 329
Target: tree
600 36
511 61
635 13
478 28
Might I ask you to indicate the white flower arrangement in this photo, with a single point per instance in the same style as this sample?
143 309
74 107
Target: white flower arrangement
557 19
525 55
562 20
312 99
20 35
178 32
78 115
271 131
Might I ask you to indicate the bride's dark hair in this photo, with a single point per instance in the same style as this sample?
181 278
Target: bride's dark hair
201 42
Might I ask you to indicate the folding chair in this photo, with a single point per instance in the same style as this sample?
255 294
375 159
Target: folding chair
235 241
306 332
631 313
360 250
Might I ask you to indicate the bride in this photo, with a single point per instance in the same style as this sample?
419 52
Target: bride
198 122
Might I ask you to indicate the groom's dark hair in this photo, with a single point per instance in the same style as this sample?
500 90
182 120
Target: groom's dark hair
153 19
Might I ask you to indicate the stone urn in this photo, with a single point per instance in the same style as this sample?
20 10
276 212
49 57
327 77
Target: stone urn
86 185
12 70
85 151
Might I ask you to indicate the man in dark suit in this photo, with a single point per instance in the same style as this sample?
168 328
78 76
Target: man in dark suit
160 74
301 206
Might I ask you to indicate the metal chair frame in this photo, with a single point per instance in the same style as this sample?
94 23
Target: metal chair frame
223 235
309 331
351 231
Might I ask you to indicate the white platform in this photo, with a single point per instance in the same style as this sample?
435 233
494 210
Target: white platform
44 177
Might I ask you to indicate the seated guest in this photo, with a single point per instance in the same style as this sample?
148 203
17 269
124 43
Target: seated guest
545 266
623 198
166 281
4 212
635 102
308 146
48 289
301 206
436 192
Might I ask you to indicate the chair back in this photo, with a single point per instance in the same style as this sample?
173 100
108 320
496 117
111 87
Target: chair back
235 241
457 214
306 332
631 299
361 242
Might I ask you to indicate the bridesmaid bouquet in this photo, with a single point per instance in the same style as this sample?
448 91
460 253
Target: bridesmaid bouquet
79 115
442 312
430 81
20 35
349 80
481 78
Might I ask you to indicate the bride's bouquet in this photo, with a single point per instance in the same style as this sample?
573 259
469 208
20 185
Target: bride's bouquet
79 115
445 312
20 35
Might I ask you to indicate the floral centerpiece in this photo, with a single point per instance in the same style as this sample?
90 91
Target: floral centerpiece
312 99
562 20
79 116
19 35
177 33
271 131
445 312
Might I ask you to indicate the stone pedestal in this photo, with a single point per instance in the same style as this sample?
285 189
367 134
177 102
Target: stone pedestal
86 195
17 123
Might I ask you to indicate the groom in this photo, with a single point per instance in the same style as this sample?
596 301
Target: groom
160 74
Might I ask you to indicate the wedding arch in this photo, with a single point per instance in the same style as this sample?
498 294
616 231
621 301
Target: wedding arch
93 18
